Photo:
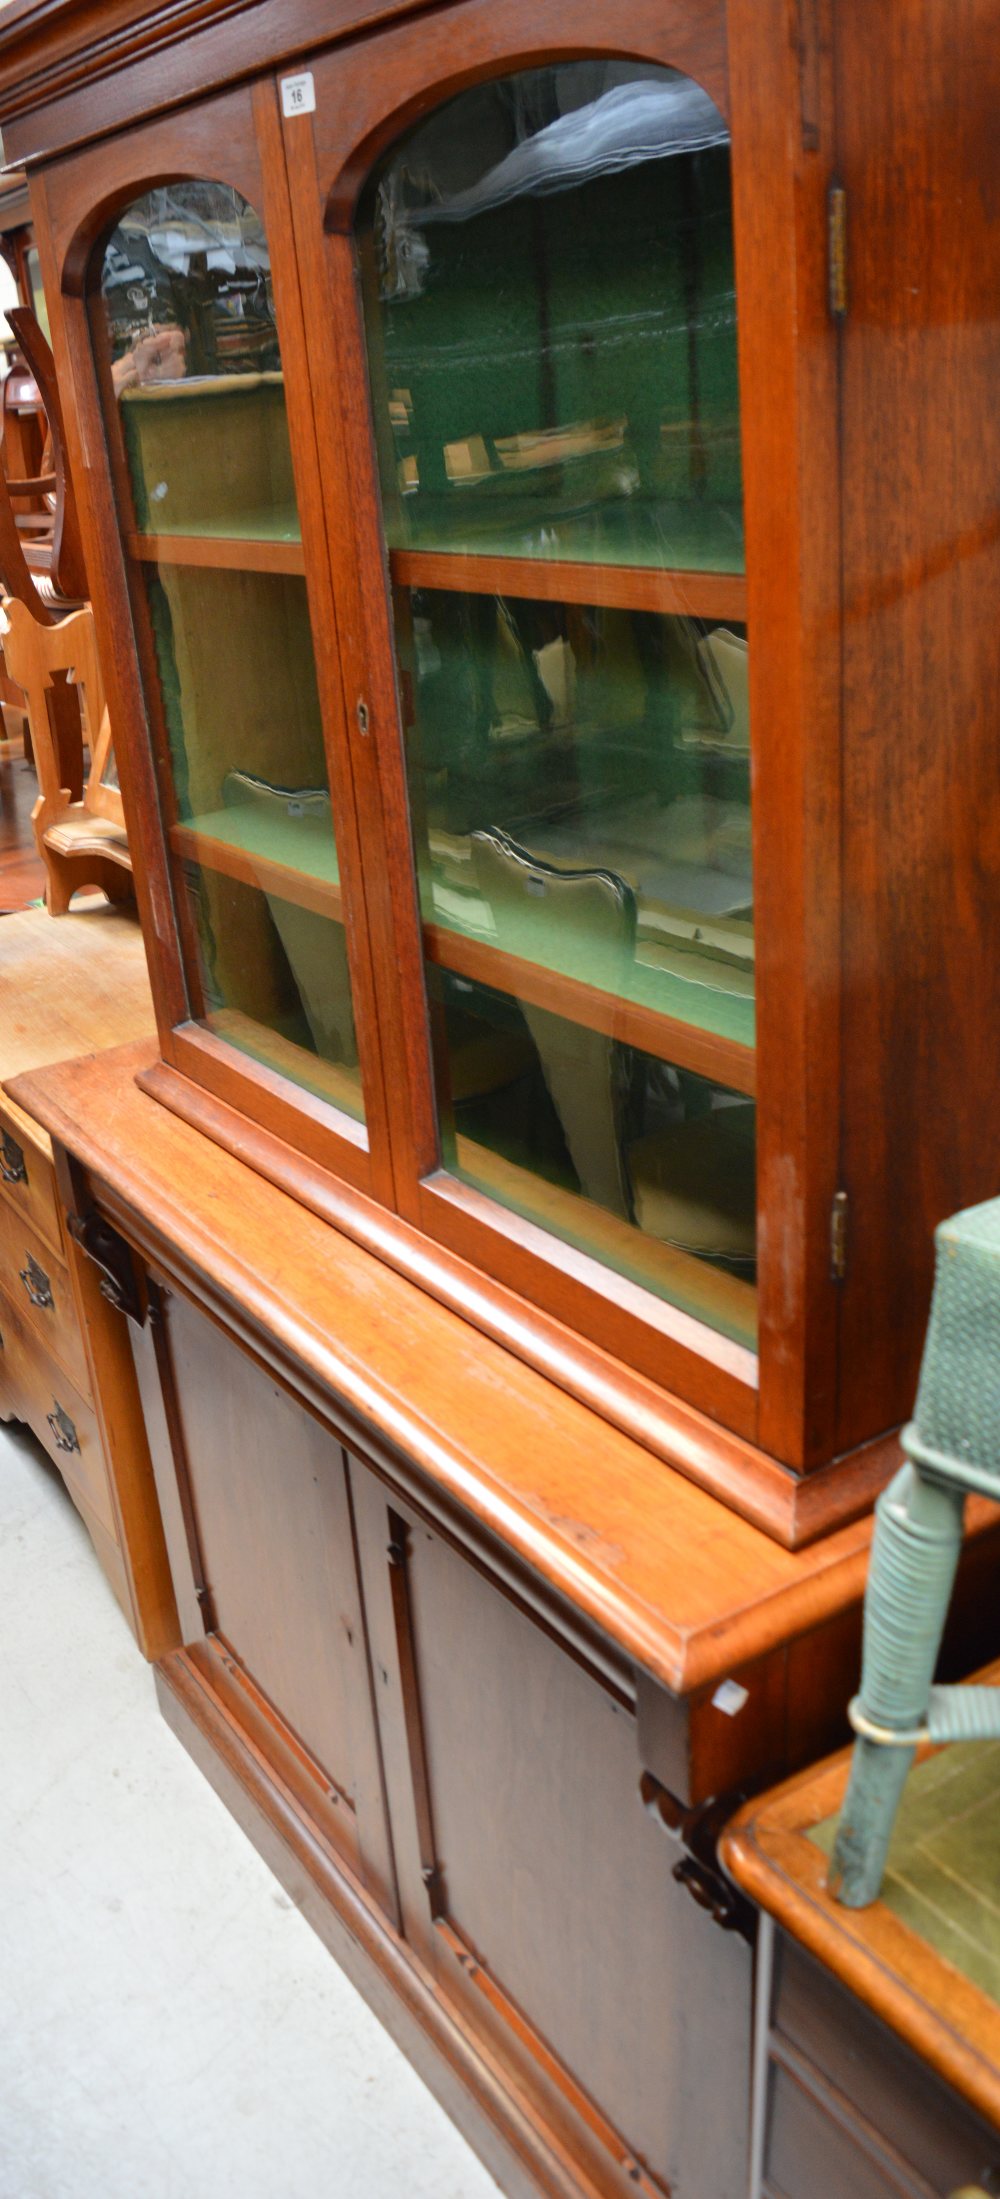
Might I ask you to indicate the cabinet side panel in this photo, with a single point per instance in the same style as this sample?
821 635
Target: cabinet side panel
919 93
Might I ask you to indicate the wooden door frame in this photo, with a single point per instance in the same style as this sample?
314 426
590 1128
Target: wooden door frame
782 108
231 137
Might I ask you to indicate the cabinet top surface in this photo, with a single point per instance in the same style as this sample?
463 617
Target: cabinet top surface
685 1588
926 1955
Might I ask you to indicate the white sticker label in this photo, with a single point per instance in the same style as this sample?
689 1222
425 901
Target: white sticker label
730 1697
298 94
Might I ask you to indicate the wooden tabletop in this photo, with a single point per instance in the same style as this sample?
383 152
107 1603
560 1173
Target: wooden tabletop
926 1955
70 985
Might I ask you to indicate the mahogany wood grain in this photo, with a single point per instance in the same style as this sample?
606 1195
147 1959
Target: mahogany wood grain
290 1111
725 1060
788 360
49 68
188 145
922 573
296 324
949 2022
470 2082
654 1276
526 1893
676 1579
867 404
237 553
42 1392
344 436
553 580
795 1511
138 1532
328 155
319 894
275 1549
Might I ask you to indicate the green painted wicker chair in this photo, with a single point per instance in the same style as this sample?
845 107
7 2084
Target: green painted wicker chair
953 1447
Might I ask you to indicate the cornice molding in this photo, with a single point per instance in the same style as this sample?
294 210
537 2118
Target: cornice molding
51 47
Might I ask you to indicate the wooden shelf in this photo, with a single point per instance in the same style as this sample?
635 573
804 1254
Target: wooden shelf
552 580
725 1060
225 842
234 553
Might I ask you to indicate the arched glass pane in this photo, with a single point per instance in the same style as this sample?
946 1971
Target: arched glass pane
195 365
553 326
547 268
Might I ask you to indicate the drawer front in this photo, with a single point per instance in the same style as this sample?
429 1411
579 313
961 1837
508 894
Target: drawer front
27 1179
38 1284
802 2135
890 2108
38 1390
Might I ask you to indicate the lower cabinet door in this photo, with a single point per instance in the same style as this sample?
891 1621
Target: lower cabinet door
254 1498
535 1883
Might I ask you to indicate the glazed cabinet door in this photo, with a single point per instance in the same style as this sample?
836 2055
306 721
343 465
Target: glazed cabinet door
537 1887
598 742
255 1506
180 329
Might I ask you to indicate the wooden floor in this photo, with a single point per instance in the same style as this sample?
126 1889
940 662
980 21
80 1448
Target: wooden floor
22 876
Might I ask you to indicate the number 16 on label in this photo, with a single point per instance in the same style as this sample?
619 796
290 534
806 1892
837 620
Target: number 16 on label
298 94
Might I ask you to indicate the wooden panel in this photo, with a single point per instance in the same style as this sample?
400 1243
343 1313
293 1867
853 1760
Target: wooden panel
538 1829
510 2137
38 1284
27 1181
788 404
887 2086
257 1518
148 1597
267 1485
919 93
801 2135
38 1388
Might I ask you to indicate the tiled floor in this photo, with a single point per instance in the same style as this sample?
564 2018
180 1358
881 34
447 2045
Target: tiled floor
169 2026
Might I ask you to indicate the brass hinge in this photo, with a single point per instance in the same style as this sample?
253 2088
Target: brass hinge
838 1236
836 213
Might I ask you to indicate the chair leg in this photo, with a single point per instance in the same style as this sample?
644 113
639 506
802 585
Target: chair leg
915 1549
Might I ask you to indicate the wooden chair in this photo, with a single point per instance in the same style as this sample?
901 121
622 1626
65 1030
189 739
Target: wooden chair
81 842
41 560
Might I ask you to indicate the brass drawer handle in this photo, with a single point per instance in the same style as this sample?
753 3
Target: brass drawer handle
12 1162
62 1428
36 1283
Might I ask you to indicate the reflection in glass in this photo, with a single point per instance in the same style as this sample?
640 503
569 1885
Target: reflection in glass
580 787
646 1167
547 269
195 366
548 265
